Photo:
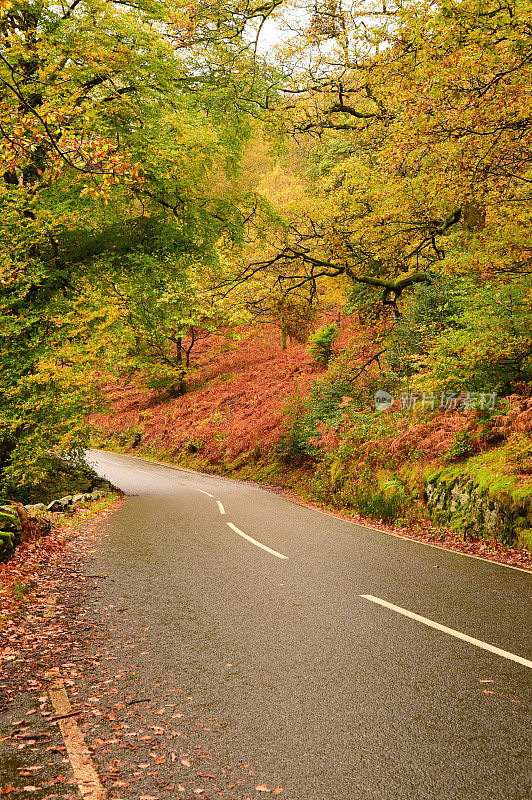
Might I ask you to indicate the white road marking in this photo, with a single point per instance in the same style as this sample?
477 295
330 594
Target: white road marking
220 506
457 634
207 493
78 753
254 541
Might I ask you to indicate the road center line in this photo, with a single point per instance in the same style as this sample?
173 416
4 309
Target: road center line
220 506
254 541
207 493
84 773
457 634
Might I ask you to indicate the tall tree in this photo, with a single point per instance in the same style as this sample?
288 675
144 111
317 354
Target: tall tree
121 124
423 122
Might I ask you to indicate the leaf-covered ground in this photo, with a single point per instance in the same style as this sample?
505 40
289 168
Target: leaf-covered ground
147 742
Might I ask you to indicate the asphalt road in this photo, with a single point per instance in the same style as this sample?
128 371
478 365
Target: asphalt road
335 695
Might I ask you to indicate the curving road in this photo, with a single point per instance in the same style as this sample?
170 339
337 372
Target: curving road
345 662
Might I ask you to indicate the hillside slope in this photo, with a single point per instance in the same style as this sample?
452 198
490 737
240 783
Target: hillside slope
457 476
234 405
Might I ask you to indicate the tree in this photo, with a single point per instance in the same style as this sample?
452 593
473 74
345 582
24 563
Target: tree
422 165
160 307
119 122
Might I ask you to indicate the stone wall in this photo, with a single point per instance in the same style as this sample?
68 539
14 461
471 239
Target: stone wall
467 508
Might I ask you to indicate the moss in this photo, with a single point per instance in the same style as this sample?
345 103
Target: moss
524 539
486 471
7 545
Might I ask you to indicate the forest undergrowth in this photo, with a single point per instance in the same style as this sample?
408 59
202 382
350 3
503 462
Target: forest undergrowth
258 412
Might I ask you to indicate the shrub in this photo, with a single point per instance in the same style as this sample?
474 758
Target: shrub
461 447
295 444
380 504
519 453
321 342
489 347
432 309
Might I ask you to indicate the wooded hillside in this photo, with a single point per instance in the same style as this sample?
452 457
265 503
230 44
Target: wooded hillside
311 259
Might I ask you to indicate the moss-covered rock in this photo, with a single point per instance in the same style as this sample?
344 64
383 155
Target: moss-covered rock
7 545
10 531
480 508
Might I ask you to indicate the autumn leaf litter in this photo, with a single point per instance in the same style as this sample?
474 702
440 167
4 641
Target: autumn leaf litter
152 748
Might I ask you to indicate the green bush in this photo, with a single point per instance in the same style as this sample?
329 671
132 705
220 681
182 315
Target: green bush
295 445
378 503
321 342
489 345
299 440
432 309
461 447
10 532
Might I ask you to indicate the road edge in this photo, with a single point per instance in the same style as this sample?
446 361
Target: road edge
327 512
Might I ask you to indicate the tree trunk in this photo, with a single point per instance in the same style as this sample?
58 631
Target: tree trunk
181 386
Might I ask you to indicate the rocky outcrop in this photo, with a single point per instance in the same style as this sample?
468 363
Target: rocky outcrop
10 531
477 512
32 521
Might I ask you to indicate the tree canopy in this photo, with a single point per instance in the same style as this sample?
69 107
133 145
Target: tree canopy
122 125
129 219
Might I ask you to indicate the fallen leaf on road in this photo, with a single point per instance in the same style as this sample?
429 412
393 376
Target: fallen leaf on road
488 691
186 762
262 788
278 790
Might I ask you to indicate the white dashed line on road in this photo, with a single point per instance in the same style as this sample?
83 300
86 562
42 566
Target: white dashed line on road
457 634
220 507
207 493
254 541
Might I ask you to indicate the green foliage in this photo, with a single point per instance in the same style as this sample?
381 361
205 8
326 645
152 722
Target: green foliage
10 532
431 310
461 448
119 169
488 345
7 545
130 437
295 445
518 452
380 504
321 344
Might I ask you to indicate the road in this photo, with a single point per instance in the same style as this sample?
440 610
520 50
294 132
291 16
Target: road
282 636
